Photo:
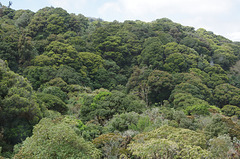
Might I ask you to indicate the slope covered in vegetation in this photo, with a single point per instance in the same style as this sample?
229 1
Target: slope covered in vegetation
78 87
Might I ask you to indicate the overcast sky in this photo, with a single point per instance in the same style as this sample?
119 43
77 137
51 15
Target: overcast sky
220 16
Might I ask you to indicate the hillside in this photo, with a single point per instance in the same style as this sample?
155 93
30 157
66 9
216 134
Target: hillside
78 87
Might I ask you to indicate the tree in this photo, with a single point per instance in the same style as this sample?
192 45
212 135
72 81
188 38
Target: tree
26 51
111 49
138 83
216 127
42 60
112 145
20 108
9 38
105 104
235 75
56 24
47 21
78 42
201 46
109 76
153 54
56 91
185 100
169 142
39 22
57 82
224 57
71 76
89 63
116 44
225 94
24 19
231 110
7 11
160 85
122 122
198 109
221 146
61 53
39 75
9 53
53 139
216 74
178 62
78 23
195 88
173 47
90 131
52 102
9 4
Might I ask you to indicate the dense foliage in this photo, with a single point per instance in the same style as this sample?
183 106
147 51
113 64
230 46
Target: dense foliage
78 87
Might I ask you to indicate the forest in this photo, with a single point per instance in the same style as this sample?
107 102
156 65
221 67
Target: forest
79 87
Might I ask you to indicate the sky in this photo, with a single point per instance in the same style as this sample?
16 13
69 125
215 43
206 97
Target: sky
219 16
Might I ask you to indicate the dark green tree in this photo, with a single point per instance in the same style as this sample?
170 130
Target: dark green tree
160 86
20 109
39 75
52 102
225 94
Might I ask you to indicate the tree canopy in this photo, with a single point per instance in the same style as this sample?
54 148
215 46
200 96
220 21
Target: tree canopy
78 87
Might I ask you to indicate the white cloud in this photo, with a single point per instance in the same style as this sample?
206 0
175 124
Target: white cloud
69 4
235 36
109 6
155 8
177 6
